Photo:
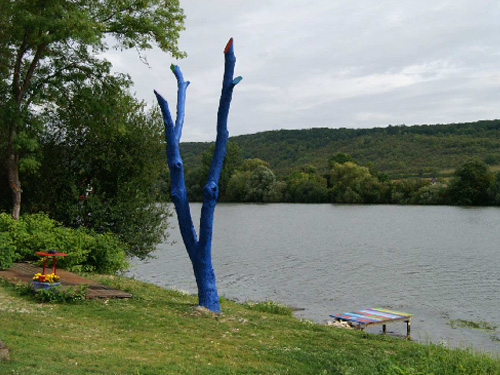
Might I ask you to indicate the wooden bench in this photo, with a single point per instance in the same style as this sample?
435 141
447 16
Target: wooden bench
367 317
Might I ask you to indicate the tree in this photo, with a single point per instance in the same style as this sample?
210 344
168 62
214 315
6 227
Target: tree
251 164
307 186
45 45
495 190
429 194
199 251
340 158
100 161
471 184
352 183
259 184
404 191
236 188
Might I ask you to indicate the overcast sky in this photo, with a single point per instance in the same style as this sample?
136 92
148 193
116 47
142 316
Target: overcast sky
331 63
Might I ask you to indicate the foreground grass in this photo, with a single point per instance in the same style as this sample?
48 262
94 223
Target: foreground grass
160 331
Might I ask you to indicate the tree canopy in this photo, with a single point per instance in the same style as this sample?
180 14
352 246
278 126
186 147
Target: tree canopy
87 152
398 151
471 184
47 45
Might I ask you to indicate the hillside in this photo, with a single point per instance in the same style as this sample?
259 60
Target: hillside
400 151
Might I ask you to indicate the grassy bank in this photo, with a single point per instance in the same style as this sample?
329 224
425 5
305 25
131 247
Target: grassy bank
160 331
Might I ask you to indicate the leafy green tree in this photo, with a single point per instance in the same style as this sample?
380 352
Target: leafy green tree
259 184
471 184
404 191
47 45
340 158
430 194
252 164
236 187
102 155
276 192
306 186
492 159
351 183
495 190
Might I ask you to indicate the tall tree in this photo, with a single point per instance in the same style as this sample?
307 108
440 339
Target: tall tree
471 184
352 183
100 162
45 44
199 251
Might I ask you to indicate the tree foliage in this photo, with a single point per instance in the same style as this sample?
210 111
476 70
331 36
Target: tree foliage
101 160
348 182
86 250
259 184
423 151
197 177
47 45
471 184
306 186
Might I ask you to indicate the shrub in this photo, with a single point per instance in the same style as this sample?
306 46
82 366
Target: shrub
7 251
59 295
54 295
87 251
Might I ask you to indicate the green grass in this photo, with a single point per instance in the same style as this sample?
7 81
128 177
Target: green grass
481 325
161 331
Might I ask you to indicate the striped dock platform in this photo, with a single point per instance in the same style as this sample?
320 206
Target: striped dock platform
374 316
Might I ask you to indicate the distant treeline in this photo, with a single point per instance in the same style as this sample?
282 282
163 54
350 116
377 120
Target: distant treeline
343 181
399 151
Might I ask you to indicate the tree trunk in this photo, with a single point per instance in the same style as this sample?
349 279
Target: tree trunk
199 251
13 174
205 280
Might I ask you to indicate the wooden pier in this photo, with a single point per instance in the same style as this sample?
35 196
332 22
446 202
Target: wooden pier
375 316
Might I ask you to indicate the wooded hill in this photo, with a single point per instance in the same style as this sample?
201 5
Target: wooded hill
399 151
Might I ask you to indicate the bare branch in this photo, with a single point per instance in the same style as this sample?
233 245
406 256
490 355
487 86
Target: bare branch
27 79
211 189
178 188
181 101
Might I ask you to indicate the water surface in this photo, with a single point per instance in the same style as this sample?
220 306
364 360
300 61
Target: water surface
439 263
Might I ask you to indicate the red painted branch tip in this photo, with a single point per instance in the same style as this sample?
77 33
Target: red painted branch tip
228 45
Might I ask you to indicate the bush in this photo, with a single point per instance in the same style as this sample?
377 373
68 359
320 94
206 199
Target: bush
59 295
100 166
430 194
87 251
54 295
7 251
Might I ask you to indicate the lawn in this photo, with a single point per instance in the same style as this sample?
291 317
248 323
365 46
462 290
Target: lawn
161 331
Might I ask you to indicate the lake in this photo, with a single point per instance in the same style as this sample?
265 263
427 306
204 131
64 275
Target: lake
439 263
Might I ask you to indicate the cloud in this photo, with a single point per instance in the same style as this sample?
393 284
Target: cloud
331 63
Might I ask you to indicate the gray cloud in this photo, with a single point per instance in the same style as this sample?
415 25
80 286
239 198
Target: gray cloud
331 63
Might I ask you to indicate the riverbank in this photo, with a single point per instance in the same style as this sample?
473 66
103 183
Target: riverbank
160 331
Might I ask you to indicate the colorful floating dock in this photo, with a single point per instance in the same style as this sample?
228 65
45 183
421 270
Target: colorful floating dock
364 318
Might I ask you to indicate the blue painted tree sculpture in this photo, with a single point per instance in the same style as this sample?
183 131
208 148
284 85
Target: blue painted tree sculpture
199 250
